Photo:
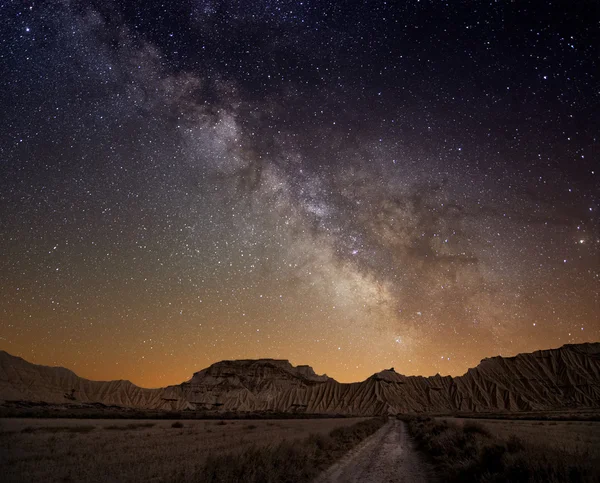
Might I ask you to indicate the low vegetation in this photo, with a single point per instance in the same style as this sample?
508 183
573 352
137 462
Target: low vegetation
298 461
125 427
26 409
69 450
58 429
570 436
588 414
471 453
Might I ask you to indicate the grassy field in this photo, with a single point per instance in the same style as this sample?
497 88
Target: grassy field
569 436
137 450
288 461
503 451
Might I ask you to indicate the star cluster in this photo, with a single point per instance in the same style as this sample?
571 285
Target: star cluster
350 185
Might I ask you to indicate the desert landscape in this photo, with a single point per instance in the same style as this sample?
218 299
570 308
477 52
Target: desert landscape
556 379
299 241
266 420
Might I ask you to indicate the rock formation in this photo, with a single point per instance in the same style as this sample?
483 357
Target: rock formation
556 379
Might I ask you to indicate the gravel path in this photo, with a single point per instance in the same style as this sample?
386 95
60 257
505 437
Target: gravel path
388 456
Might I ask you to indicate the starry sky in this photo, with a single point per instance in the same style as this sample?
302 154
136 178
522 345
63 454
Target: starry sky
353 185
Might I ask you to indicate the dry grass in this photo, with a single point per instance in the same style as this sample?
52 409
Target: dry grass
297 462
569 436
136 453
473 452
125 427
58 429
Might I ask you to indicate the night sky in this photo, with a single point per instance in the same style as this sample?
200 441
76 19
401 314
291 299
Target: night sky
350 185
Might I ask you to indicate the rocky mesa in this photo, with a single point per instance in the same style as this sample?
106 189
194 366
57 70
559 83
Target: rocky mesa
555 379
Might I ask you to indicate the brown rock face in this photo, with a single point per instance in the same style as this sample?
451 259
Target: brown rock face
564 378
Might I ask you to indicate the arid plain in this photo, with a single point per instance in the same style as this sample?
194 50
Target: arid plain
135 450
126 450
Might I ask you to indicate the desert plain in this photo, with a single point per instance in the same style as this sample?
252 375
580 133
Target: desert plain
135 450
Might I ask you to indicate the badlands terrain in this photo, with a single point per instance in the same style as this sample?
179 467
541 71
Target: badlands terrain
563 379
533 417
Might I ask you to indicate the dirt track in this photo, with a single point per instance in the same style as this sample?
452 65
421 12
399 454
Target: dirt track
388 456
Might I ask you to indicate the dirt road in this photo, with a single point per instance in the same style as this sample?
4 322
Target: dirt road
388 456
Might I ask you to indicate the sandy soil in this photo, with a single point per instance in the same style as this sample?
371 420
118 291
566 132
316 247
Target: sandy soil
387 456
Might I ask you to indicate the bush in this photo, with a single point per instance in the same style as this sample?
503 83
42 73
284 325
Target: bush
471 454
297 461
514 444
471 427
177 424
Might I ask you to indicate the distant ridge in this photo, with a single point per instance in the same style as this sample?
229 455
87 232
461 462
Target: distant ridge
545 380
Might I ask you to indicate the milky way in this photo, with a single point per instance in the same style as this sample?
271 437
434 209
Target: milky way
351 185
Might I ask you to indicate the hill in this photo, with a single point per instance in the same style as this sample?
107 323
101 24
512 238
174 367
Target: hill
556 379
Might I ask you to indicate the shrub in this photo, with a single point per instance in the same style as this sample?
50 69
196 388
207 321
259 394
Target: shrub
514 444
177 424
471 454
471 427
297 461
